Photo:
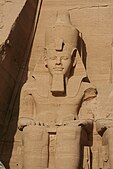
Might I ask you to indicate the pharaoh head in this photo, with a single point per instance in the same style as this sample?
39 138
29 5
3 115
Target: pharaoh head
61 46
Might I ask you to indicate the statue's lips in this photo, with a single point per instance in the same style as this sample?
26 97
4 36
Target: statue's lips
58 68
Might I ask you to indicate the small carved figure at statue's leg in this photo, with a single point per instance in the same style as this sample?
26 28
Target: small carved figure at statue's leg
109 136
35 140
68 147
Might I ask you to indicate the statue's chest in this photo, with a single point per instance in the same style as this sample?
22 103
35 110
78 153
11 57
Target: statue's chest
56 104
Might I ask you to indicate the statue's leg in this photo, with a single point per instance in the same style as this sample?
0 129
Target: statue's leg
35 141
68 147
108 135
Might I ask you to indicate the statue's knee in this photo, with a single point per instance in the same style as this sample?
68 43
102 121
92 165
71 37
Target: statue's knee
73 132
32 133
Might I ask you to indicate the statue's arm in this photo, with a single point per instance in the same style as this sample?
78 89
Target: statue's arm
26 109
88 108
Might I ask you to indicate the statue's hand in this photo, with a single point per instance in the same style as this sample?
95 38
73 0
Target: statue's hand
59 123
103 124
70 123
40 123
86 124
63 122
24 121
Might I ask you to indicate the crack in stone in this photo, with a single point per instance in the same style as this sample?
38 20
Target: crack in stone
88 7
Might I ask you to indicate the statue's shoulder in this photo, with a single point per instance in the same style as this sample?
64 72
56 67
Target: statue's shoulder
37 85
27 88
89 90
77 86
86 85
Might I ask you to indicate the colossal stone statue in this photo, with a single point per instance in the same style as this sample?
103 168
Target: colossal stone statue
50 103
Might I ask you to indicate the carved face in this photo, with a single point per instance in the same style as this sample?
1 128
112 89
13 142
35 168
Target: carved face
59 61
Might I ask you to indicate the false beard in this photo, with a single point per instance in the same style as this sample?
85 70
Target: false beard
58 84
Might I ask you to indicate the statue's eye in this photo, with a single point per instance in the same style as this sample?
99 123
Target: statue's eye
64 57
52 57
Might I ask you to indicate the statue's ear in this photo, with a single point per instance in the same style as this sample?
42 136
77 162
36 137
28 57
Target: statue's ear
73 54
45 57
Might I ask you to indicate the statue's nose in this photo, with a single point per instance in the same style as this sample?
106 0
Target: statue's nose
58 60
